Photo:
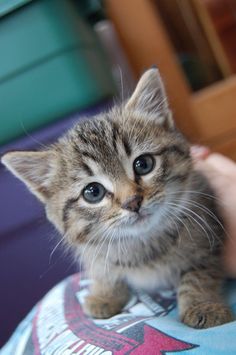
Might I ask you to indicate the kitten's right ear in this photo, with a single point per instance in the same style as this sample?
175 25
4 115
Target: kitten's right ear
35 169
150 98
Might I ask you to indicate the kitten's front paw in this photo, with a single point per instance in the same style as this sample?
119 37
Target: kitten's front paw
98 307
207 315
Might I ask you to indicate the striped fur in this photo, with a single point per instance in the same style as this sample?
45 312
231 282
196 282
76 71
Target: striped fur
176 238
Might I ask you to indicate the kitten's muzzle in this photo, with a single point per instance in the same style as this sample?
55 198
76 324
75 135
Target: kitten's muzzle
133 203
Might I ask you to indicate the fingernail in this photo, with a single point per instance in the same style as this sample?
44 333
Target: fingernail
199 151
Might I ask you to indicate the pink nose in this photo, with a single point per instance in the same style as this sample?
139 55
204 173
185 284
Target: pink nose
133 203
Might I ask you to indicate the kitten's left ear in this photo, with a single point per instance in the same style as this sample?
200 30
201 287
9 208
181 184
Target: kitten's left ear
150 97
35 169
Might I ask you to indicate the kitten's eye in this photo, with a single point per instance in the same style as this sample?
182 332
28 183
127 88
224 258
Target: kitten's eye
94 192
143 164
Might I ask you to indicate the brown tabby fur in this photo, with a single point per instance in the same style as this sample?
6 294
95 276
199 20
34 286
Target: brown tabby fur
176 238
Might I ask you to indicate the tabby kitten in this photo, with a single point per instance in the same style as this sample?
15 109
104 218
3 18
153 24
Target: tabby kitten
122 190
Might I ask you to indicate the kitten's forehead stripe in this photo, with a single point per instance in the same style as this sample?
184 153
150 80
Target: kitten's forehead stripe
126 145
115 132
87 169
89 155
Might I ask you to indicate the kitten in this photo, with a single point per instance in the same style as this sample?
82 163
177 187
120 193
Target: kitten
122 190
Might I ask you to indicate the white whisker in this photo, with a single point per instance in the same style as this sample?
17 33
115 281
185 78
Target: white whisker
205 209
55 248
198 223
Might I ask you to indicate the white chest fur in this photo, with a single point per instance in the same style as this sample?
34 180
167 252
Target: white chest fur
152 279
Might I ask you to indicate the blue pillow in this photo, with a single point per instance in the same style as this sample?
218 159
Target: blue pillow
147 325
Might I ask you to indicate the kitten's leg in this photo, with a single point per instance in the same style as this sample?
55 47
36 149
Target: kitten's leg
199 300
106 299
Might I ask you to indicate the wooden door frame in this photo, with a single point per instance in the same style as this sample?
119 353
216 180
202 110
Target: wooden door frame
208 116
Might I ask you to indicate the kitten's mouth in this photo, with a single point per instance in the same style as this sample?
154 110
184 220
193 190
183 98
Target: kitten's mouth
138 219
141 218
145 217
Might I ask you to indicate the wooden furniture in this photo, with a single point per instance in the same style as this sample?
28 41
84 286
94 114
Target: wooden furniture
207 116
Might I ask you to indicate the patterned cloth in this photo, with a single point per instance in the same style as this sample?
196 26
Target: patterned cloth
148 325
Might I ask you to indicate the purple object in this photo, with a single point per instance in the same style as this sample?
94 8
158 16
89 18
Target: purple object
29 266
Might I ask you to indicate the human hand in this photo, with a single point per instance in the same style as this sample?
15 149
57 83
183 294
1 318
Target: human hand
221 173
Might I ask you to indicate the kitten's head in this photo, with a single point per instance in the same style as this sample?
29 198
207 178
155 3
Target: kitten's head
112 175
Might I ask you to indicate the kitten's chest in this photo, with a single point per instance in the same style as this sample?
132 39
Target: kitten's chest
152 278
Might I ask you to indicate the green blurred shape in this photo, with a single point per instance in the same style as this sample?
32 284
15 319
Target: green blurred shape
51 65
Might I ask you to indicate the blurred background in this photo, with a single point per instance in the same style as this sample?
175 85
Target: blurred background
61 60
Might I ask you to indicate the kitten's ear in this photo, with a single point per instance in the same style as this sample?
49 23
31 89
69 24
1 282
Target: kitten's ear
150 97
35 169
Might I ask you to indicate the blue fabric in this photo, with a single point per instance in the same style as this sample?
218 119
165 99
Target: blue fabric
148 325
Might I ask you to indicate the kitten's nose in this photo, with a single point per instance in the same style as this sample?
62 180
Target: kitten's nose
133 203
